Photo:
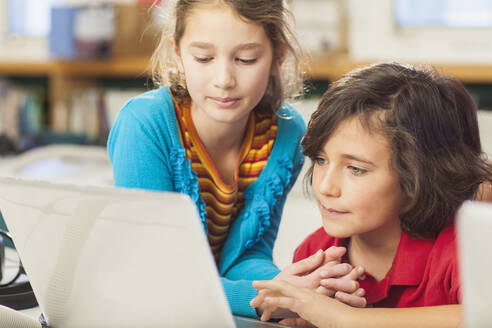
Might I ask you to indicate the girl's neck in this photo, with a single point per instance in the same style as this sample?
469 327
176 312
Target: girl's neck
375 251
222 141
218 137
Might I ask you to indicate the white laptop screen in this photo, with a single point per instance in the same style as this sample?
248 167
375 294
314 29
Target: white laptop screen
115 256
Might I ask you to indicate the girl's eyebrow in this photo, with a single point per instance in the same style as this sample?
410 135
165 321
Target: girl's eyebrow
244 46
201 45
358 159
249 46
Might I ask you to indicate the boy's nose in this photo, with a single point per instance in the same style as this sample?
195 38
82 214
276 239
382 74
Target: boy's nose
329 185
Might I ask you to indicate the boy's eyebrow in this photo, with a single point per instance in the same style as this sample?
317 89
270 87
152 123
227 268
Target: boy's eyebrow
355 158
244 46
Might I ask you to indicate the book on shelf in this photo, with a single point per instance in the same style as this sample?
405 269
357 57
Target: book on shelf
22 110
91 111
87 114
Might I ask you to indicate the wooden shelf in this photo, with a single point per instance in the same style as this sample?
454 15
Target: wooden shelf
24 68
333 67
325 67
468 73
119 67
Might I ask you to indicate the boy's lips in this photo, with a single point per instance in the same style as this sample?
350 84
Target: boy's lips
332 211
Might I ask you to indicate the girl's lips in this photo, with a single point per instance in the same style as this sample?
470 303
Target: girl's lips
225 102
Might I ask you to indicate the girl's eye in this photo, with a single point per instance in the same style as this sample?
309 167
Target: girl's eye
246 61
356 170
320 161
203 59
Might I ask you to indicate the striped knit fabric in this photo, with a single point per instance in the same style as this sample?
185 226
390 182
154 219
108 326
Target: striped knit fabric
224 201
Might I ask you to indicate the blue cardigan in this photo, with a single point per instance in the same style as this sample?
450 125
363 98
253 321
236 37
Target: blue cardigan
146 152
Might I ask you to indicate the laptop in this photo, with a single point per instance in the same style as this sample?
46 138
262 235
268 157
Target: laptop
114 257
474 228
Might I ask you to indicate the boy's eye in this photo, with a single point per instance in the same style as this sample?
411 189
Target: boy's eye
320 161
203 59
356 170
246 61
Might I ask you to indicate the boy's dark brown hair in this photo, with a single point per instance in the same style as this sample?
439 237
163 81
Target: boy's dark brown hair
430 122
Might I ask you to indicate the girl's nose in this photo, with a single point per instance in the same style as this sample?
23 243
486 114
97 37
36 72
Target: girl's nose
224 76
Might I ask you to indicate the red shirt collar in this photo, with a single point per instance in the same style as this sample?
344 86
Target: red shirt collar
407 270
410 260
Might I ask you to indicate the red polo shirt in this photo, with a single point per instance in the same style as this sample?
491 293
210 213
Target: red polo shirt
424 272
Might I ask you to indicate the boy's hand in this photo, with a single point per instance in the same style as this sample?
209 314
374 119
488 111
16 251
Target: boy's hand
344 288
312 307
307 274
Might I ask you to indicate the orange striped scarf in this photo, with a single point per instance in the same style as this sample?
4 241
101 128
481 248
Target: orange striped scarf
224 201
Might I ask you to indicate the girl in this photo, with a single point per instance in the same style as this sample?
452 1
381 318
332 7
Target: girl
395 152
221 132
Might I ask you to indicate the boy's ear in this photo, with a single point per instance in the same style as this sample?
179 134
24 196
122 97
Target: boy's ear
177 55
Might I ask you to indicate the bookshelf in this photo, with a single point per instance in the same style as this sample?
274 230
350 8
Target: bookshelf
68 101
66 76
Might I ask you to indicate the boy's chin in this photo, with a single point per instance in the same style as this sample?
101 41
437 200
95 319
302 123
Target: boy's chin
337 232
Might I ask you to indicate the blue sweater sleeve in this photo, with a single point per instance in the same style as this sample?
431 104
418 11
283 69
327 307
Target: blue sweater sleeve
137 150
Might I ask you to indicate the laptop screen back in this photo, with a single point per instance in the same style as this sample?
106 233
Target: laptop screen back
475 251
114 257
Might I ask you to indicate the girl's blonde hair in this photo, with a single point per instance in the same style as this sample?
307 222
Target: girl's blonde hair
272 15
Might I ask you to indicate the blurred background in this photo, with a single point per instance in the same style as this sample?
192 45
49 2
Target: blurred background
68 66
